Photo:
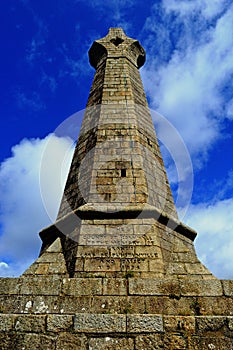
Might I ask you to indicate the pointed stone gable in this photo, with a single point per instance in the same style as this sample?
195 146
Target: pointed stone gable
117 270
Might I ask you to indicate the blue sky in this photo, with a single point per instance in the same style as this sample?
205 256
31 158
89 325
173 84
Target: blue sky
46 77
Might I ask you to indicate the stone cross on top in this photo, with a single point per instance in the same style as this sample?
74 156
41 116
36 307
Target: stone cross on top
116 44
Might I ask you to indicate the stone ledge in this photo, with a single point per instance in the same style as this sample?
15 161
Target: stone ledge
69 222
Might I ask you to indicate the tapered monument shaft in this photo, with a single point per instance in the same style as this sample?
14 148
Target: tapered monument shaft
117 158
117 213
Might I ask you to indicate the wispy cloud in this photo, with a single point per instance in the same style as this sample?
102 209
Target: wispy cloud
35 48
30 101
187 88
49 81
114 10
22 211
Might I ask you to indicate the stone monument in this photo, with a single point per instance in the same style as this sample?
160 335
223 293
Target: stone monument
117 270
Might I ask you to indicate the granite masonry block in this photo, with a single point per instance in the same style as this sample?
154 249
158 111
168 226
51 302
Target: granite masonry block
153 286
108 343
149 342
210 323
6 322
30 323
144 323
59 323
71 341
41 285
101 323
195 287
82 286
115 286
227 287
10 285
179 324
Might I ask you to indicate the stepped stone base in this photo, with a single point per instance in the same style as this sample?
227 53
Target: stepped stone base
58 312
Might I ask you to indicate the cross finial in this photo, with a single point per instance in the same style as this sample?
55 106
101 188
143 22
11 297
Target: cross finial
116 44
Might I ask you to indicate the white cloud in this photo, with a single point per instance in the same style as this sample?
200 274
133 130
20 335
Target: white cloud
214 243
208 8
22 213
187 88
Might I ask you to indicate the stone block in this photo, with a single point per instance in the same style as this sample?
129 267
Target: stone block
176 269
109 343
58 323
134 264
149 342
216 305
195 287
42 305
101 323
196 269
210 323
69 341
155 304
227 287
175 342
12 303
91 252
179 323
115 286
230 322
214 342
38 269
6 322
153 286
6 341
144 323
29 341
109 304
72 305
134 305
82 286
57 269
10 285
50 257
41 285
30 323
102 264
